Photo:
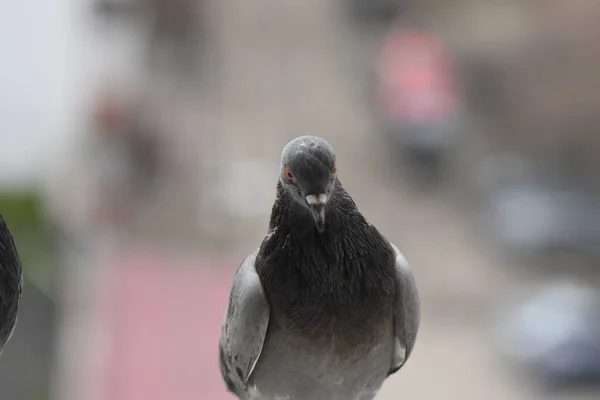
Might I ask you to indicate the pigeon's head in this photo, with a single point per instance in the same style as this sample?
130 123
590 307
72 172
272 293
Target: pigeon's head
308 173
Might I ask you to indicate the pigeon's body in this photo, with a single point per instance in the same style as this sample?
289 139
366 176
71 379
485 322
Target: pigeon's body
289 370
330 334
318 314
11 284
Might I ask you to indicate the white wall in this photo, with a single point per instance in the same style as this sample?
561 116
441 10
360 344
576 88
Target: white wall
34 96
52 57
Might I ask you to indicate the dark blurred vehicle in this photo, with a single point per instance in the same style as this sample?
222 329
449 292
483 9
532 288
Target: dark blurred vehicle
418 100
553 331
537 211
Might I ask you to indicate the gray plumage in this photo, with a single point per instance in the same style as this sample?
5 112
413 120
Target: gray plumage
326 308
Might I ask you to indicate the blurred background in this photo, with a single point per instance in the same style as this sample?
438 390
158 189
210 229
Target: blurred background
141 150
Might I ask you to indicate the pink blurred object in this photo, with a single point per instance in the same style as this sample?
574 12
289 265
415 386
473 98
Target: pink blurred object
416 77
163 324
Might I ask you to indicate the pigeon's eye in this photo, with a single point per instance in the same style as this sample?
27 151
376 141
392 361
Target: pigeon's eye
334 170
288 174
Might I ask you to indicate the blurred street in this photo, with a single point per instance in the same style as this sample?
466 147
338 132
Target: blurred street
289 71
152 237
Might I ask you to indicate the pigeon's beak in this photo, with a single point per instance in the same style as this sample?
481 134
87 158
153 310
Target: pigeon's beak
316 204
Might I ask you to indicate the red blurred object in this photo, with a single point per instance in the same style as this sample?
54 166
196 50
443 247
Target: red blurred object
163 324
111 113
416 81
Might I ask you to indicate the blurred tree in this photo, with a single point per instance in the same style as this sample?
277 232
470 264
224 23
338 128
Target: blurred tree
23 212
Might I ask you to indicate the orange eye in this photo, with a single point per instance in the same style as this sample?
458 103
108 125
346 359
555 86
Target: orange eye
334 170
288 174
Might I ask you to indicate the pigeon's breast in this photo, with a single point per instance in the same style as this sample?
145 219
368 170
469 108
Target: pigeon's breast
291 368
326 289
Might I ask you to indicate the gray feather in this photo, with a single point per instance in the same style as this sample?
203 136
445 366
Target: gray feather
245 327
407 313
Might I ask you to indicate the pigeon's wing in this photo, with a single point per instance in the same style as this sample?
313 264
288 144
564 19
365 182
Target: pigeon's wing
407 313
245 327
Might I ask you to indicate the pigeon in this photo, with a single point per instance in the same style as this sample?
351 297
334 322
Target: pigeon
326 308
11 284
